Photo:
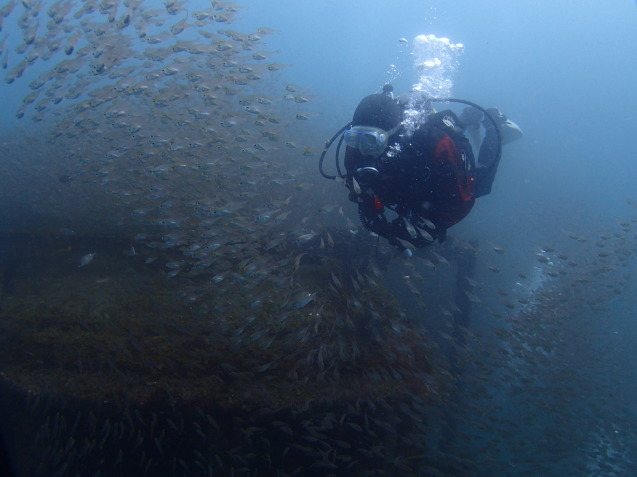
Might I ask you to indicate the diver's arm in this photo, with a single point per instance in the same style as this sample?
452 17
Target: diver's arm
488 160
490 150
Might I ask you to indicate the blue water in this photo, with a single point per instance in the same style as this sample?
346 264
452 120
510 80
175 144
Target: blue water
565 71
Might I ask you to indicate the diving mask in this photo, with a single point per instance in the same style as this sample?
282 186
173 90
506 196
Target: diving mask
370 141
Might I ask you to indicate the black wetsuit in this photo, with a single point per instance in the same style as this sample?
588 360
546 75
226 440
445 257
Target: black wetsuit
429 180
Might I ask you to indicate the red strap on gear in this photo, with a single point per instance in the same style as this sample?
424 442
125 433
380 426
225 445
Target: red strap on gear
447 152
378 205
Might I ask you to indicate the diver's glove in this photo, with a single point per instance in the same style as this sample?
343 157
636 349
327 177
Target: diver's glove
509 131
496 115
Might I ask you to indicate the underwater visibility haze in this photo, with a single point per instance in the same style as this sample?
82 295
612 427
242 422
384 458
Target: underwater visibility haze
183 294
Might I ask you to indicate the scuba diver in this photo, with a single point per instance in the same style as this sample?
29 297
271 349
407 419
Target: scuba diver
414 178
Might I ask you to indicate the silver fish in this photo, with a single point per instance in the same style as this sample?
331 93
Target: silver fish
86 259
428 223
424 234
356 186
301 299
410 228
305 238
405 244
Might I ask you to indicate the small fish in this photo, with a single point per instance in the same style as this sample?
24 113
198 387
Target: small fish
405 244
428 263
473 283
262 218
301 239
352 227
176 264
424 234
86 259
70 46
179 27
356 186
281 217
410 228
574 236
301 299
297 260
326 209
472 298
428 223
336 281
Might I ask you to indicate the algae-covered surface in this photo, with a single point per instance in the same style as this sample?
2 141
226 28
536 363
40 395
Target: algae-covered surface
120 328
291 360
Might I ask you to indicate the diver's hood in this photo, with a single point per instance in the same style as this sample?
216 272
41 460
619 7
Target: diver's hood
379 111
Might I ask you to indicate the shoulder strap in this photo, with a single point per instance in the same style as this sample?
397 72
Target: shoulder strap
447 123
